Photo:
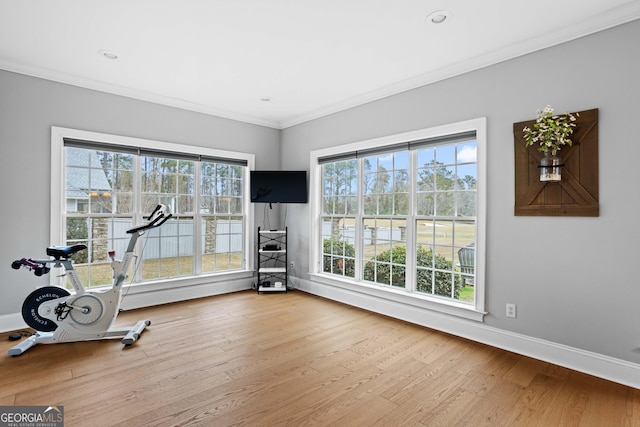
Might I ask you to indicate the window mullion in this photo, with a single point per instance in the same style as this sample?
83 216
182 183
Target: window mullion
359 238
136 217
410 268
197 220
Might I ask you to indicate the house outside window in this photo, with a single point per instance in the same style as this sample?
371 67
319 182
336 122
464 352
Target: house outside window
405 214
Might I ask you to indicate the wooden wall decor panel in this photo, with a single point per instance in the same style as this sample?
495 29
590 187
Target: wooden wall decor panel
577 193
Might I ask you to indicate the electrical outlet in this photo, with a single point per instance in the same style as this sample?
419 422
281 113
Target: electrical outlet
291 264
511 310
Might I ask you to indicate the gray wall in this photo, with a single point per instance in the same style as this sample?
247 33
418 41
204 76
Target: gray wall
30 106
590 299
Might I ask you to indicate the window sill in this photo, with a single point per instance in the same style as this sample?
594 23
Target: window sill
434 304
167 291
179 282
151 286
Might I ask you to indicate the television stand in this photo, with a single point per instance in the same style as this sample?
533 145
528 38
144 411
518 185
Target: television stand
272 261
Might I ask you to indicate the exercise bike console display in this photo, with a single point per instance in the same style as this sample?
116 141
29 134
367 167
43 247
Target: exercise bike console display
60 316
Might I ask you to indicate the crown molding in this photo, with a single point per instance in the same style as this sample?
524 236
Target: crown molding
128 92
615 17
618 16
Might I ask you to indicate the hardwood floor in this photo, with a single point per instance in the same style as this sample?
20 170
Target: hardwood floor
295 359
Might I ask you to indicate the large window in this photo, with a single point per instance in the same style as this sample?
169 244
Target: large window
110 186
405 214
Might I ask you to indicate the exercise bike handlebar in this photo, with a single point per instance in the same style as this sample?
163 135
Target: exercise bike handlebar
159 216
39 267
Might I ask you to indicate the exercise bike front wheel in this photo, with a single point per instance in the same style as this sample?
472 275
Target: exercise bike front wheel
33 302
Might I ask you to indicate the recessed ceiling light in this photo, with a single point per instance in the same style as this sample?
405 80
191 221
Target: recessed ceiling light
438 17
107 54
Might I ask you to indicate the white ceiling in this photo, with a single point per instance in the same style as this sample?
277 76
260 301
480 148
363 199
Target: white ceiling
309 57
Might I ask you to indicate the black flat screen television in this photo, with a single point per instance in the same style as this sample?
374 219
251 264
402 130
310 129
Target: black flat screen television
278 186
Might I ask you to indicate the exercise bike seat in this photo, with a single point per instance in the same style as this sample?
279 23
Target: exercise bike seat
64 251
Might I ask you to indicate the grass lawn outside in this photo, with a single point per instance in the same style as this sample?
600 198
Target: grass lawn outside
467 293
102 274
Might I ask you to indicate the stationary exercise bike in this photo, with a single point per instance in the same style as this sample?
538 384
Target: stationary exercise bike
58 316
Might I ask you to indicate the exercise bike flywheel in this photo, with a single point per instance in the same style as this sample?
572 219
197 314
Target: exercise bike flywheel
33 302
87 309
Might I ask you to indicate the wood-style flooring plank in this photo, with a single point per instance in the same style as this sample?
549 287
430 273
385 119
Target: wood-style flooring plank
294 359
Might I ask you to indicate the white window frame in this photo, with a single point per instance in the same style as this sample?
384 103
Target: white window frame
58 185
475 311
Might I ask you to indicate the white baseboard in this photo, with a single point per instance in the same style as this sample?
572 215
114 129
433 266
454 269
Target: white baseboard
11 322
153 297
609 368
148 296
